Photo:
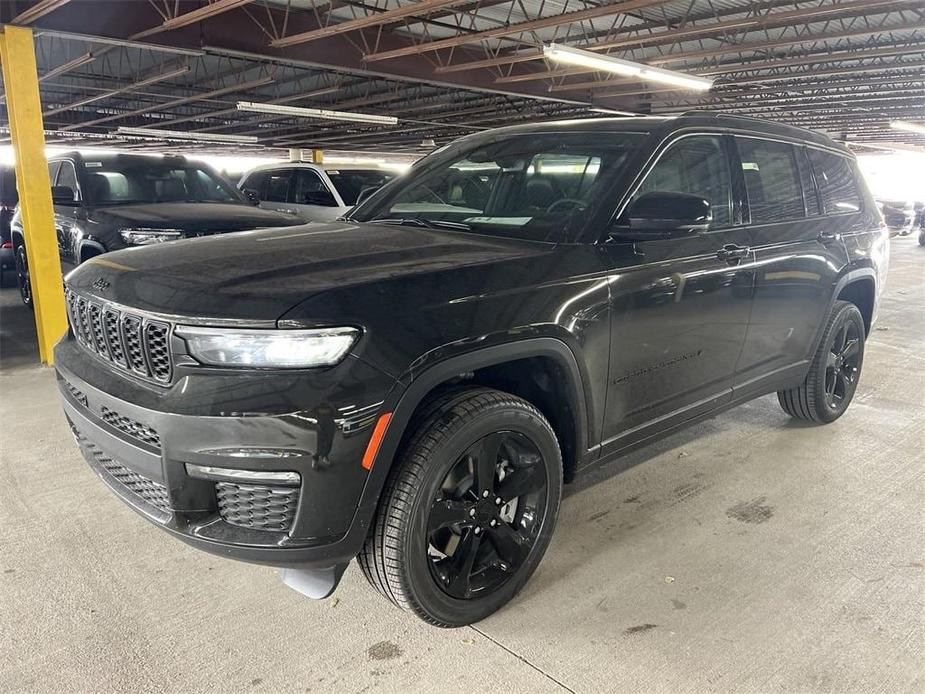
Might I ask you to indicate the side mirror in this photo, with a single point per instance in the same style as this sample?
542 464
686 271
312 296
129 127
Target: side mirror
366 192
253 197
322 198
664 215
63 195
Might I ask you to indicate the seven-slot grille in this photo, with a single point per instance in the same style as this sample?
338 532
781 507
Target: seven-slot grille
131 342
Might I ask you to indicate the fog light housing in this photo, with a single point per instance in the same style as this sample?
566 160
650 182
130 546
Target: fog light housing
224 474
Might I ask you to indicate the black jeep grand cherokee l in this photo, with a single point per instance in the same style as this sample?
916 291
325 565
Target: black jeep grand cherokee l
411 386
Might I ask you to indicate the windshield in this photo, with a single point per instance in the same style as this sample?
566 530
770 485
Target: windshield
351 183
538 186
133 181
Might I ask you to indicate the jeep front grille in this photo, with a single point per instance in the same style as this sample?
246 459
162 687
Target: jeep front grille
131 342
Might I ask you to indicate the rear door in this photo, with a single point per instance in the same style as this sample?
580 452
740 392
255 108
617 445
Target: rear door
680 306
312 199
798 255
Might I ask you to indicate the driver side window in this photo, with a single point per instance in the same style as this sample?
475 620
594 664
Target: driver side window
698 166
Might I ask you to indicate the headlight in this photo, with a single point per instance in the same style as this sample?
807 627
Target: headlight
145 237
281 349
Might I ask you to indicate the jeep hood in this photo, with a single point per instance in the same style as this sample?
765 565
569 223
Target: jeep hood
192 217
259 275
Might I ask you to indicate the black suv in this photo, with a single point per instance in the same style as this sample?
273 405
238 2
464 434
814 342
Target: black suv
412 386
104 202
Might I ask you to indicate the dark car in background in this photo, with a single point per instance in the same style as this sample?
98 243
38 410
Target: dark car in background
899 216
104 202
412 385
8 200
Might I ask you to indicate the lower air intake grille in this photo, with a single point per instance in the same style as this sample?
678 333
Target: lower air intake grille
147 490
257 506
76 393
129 426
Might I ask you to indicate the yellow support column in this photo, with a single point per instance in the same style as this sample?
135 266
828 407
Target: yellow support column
17 55
317 156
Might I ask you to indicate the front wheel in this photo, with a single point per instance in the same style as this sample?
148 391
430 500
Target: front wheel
833 375
22 275
469 508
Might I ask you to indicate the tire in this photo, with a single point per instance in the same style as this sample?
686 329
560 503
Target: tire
403 557
23 280
835 370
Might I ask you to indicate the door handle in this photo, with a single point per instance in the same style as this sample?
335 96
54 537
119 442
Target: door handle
828 237
732 253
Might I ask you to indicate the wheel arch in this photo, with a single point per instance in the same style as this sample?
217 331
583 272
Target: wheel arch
88 248
859 288
430 380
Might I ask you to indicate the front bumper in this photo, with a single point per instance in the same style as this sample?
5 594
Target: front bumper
142 454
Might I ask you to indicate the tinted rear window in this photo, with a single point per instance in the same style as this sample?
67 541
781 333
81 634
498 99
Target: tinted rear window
836 183
772 180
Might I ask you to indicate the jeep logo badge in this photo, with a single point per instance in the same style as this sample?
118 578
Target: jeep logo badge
101 284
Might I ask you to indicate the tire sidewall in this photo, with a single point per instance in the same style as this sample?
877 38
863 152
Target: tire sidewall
22 275
422 587
847 313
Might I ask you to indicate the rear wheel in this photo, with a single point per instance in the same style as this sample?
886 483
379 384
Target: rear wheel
469 509
833 376
22 275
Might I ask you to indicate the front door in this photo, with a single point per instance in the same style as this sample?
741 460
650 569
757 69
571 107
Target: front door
66 216
680 307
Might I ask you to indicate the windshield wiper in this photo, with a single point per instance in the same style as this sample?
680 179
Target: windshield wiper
420 222
406 221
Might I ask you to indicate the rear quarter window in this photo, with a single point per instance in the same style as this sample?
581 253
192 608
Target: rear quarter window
835 180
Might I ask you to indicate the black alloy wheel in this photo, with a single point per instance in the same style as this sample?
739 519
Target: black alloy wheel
487 515
22 276
842 364
469 507
833 374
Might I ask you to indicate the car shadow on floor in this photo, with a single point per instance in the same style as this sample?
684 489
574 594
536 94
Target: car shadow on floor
18 342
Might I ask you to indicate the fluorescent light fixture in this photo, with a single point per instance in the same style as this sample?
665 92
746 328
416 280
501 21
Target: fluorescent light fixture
612 112
185 136
908 126
324 114
627 68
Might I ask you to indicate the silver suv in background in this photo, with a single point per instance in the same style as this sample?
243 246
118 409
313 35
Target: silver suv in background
313 192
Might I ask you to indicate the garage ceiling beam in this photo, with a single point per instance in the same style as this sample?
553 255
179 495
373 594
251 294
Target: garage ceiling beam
674 35
205 12
422 7
851 8
519 28
39 9
121 90
727 49
244 86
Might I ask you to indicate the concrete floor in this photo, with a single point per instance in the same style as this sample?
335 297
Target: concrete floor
745 554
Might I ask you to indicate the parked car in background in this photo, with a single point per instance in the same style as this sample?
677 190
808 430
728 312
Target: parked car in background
104 202
899 215
412 385
313 192
8 200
